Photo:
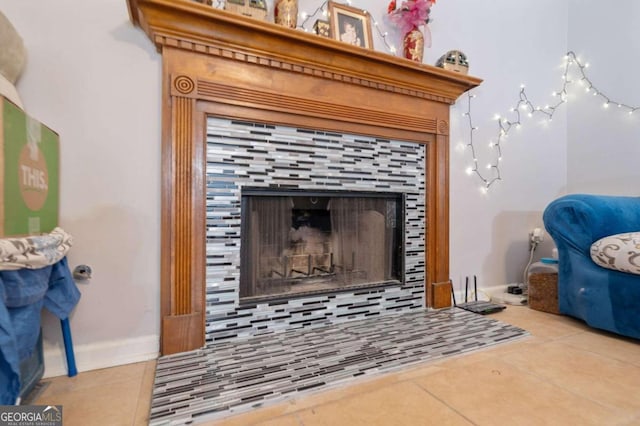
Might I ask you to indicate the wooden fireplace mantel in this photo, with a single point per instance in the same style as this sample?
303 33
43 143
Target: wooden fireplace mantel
222 64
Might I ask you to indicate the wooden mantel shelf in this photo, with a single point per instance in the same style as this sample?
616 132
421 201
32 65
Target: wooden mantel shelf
216 63
195 26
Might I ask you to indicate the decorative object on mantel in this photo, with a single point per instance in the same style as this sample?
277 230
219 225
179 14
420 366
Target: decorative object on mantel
413 45
454 60
285 13
207 2
322 11
322 28
252 8
350 25
408 18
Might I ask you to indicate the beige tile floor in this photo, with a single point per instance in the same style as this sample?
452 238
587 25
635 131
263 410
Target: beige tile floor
564 374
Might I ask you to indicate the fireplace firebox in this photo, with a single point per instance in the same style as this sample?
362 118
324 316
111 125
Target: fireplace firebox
297 242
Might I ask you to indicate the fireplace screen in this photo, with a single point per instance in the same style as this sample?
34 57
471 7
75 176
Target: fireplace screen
309 242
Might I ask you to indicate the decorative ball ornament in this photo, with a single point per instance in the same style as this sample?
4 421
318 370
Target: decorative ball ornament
454 60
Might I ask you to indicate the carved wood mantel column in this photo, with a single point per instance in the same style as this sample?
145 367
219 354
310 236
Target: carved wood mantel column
182 254
220 64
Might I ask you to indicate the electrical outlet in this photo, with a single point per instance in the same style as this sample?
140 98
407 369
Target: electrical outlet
535 237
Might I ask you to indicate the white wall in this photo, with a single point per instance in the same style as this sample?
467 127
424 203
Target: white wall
508 43
96 80
604 144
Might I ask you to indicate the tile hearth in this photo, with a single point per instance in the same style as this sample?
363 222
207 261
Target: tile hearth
231 377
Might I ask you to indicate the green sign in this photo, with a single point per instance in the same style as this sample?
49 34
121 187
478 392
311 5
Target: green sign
31 174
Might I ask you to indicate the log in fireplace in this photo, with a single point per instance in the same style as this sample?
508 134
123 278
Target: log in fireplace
217 64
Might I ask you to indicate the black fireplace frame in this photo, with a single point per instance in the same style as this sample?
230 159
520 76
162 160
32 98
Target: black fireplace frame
283 191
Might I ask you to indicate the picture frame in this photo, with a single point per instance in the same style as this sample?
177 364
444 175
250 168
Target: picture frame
350 25
322 28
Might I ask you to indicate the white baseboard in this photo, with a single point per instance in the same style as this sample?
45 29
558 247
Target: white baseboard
94 356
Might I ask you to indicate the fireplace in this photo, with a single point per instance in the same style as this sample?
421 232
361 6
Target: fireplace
306 242
216 64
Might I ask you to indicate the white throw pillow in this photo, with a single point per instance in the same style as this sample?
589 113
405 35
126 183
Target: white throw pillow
620 252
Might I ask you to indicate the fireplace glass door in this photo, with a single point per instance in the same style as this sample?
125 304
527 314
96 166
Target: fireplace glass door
302 242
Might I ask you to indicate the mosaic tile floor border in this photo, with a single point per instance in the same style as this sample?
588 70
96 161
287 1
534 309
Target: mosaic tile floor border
235 376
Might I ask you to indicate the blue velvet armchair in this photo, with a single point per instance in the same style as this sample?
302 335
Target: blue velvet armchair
603 298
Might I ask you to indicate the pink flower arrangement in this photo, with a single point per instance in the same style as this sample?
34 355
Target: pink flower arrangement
411 14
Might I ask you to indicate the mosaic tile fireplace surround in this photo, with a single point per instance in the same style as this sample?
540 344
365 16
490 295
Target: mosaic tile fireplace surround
252 155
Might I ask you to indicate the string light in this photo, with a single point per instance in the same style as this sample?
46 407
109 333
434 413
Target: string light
473 169
525 105
322 8
383 35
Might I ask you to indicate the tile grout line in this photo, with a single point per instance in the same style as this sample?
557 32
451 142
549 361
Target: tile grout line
598 353
555 384
455 410
150 365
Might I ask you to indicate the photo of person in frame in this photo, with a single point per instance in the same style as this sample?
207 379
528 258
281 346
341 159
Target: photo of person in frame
351 30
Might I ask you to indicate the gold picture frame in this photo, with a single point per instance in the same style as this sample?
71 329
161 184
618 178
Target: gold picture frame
350 25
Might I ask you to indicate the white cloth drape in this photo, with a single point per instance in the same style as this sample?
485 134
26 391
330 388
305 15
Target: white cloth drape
34 252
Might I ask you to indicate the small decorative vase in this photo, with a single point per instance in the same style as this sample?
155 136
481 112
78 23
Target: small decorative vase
285 13
413 45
